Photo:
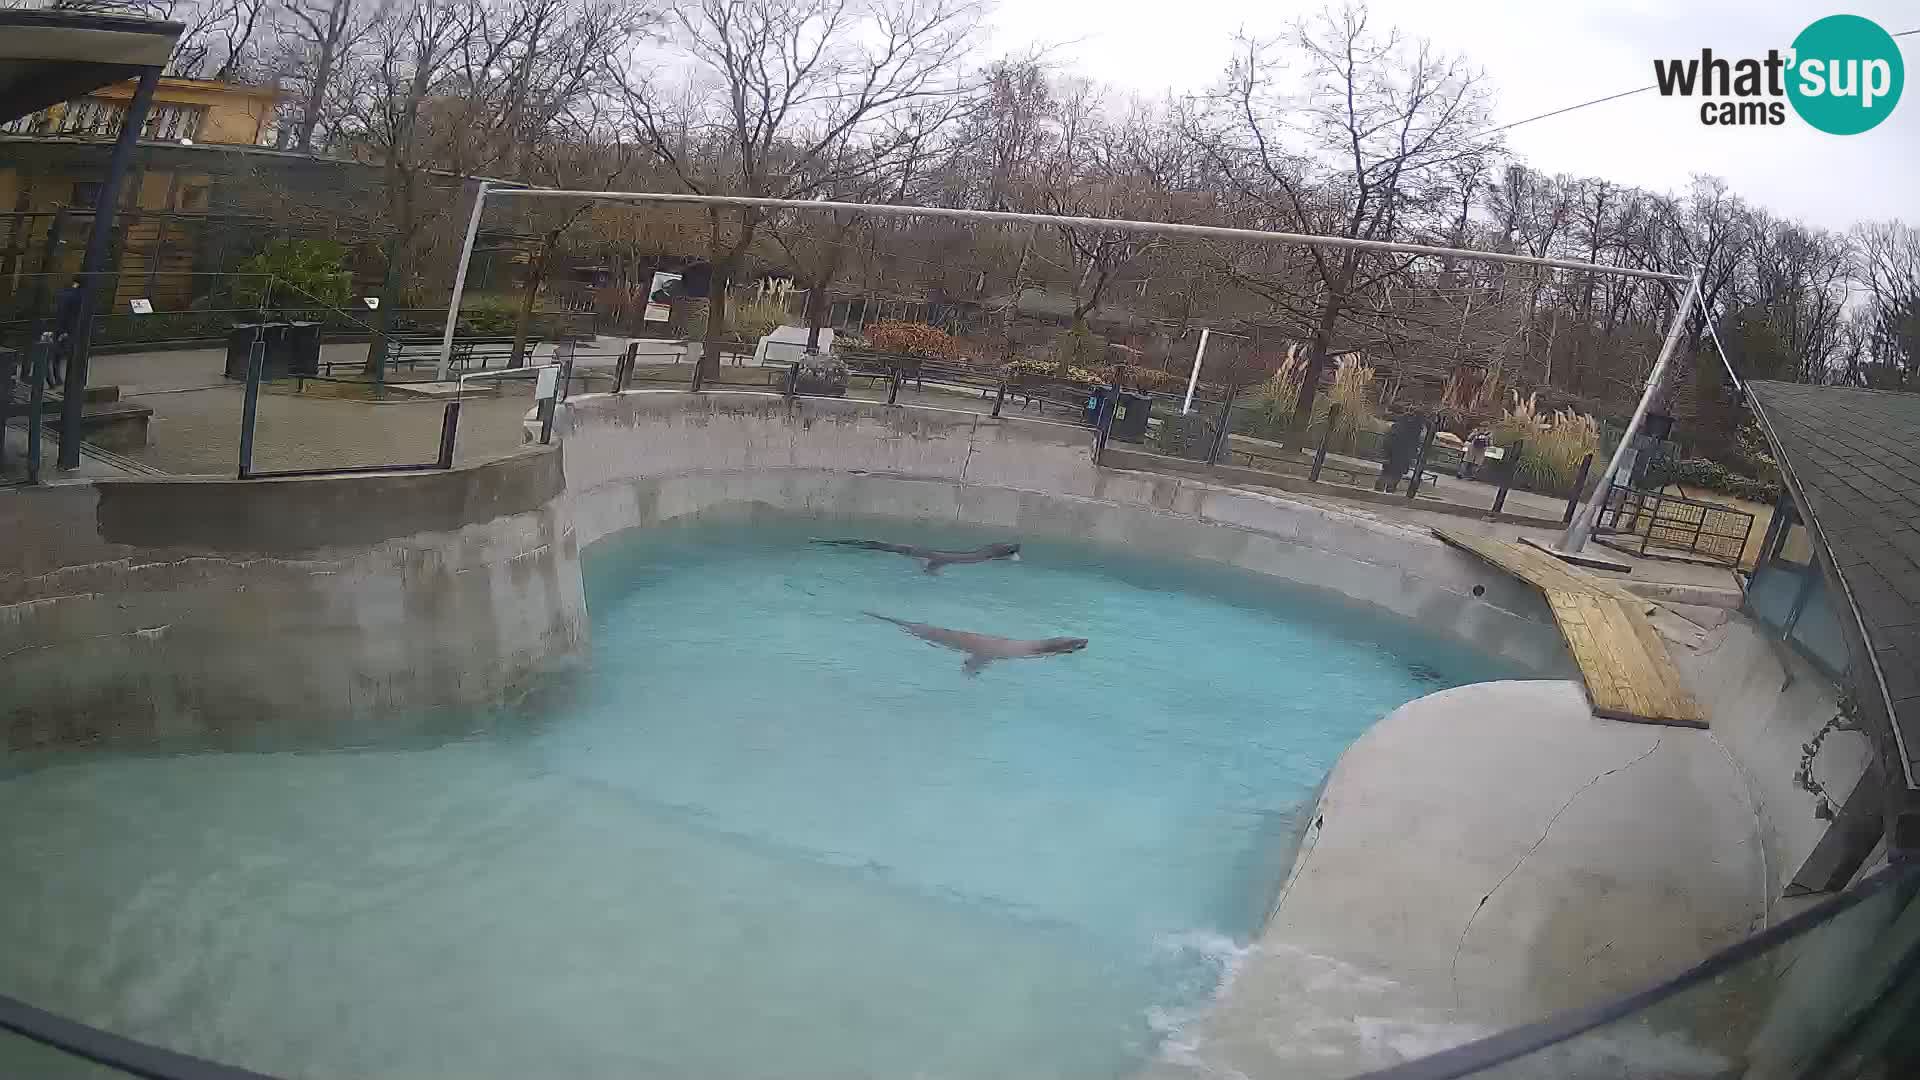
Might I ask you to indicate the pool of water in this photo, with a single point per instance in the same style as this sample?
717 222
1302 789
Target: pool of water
763 835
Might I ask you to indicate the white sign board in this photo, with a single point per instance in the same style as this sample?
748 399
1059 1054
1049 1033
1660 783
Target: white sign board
549 383
141 305
372 302
659 290
659 313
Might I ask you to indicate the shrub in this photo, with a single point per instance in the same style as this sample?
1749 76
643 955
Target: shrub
1555 442
295 275
1353 392
753 319
489 314
1029 368
1712 476
910 339
1079 348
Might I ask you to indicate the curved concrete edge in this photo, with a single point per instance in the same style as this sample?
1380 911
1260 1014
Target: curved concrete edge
1440 599
310 611
1484 857
643 458
1777 717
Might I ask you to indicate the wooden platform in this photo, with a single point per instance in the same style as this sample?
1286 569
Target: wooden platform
1622 658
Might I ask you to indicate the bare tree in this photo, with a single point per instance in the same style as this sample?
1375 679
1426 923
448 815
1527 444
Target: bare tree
320 34
1887 267
789 100
1387 124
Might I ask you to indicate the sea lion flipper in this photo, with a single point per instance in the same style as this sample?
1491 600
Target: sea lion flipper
932 566
974 664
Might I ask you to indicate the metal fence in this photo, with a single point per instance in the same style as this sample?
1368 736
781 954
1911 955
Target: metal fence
1657 525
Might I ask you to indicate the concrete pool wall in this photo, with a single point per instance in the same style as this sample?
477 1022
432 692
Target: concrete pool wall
1480 857
234 613
645 458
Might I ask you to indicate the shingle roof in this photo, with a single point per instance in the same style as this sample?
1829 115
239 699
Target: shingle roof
1852 460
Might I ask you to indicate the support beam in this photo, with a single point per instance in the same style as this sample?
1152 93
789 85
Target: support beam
460 282
73 393
1582 525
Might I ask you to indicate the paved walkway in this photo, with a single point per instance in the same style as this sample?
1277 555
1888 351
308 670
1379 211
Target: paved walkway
195 429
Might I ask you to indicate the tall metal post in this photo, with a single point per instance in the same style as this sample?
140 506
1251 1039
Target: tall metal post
460 283
1223 434
250 404
1581 527
1320 455
449 430
1512 461
1193 379
73 392
36 401
1420 460
1579 484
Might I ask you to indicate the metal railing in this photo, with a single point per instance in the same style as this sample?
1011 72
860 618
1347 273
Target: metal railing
1821 995
1671 526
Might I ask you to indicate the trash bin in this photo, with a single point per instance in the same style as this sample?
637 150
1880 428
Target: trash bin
1095 397
1130 417
239 344
303 348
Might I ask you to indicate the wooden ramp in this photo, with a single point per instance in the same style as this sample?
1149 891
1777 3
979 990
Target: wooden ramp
1628 673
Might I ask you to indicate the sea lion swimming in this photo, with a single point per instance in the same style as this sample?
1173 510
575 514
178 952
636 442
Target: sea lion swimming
934 560
984 649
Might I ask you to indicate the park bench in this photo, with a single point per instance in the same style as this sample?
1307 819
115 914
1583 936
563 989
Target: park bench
410 349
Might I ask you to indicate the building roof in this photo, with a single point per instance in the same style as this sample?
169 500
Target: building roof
48 57
1851 459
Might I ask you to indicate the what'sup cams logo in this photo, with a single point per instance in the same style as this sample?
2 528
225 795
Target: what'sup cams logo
1843 75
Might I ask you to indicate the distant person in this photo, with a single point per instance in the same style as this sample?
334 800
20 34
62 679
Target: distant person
1475 454
66 324
1402 444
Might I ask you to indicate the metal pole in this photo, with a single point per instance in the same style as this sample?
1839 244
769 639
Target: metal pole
460 283
449 430
1512 456
1000 398
1224 433
1320 455
1581 526
1420 461
1579 482
1193 379
36 401
893 387
1059 220
250 404
73 391
48 258
1103 420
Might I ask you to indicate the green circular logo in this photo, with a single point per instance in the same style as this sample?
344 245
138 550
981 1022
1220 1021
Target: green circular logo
1846 75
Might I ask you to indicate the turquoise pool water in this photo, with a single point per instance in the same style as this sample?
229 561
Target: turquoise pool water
763 836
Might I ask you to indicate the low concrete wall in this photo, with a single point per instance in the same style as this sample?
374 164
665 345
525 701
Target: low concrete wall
642 458
140 612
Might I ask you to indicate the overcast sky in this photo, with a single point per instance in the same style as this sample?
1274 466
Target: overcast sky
1544 54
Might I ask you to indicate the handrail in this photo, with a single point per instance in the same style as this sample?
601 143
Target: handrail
1498 1049
130 1056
